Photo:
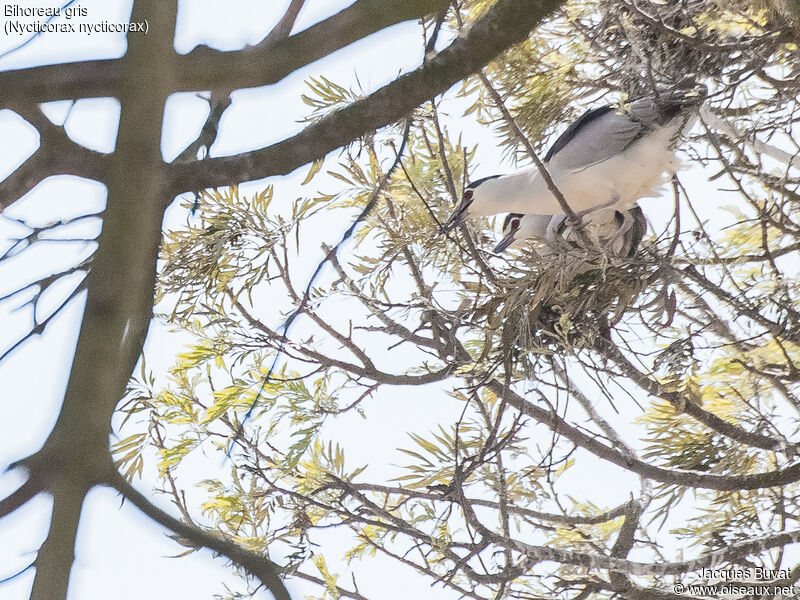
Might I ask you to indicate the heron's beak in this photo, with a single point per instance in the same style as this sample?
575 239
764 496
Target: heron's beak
505 242
457 218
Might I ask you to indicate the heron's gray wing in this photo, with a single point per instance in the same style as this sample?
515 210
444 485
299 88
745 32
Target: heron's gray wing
596 136
602 133
573 129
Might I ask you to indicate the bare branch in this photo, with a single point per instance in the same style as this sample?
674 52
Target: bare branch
505 24
756 145
681 477
205 68
22 495
757 440
48 161
257 565
119 301
284 26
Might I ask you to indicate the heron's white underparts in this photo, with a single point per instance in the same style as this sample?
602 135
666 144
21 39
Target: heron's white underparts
604 162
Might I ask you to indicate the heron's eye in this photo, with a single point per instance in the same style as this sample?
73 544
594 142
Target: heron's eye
514 225
467 195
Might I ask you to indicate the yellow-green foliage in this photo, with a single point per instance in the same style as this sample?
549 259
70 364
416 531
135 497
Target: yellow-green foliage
402 302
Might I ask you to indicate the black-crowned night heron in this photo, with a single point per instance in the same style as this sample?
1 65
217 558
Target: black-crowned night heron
605 226
609 158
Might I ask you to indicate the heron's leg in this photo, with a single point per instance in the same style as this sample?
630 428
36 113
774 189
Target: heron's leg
612 202
625 226
578 220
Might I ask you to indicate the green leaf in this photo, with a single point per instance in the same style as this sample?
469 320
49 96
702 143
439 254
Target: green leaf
315 168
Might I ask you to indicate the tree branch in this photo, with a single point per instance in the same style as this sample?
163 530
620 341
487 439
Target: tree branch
751 141
23 493
284 27
50 160
604 517
205 68
506 23
681 477
710 420
120 298
255 564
